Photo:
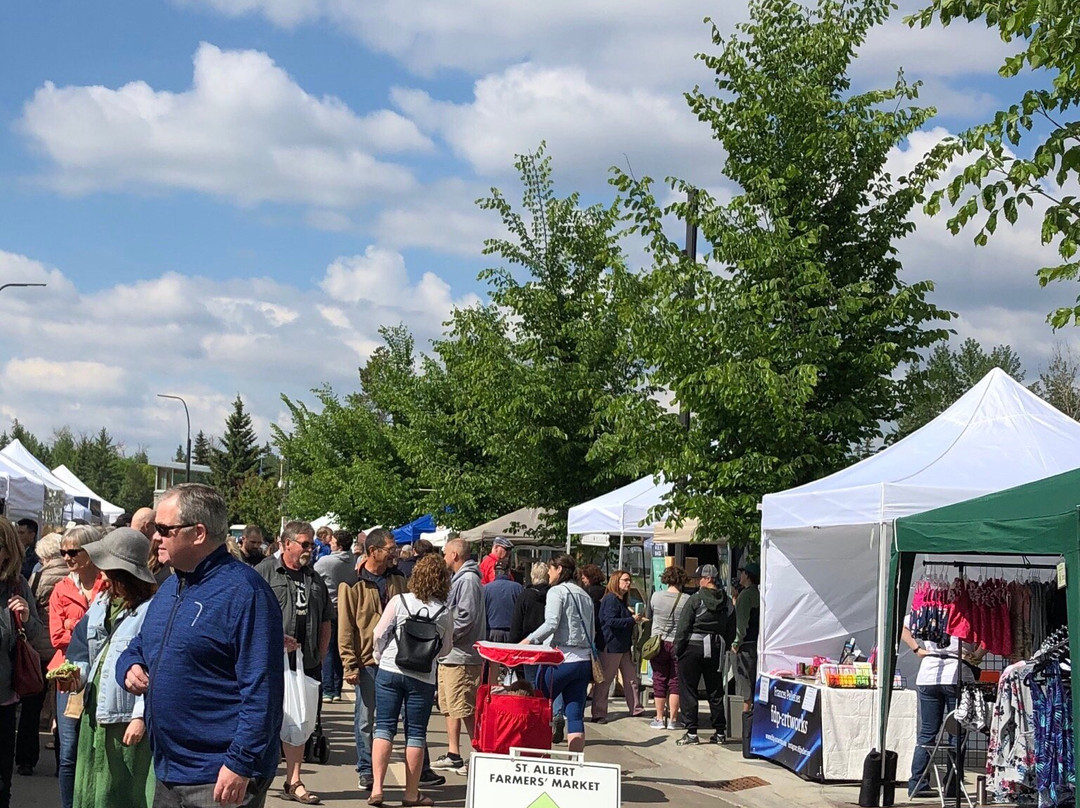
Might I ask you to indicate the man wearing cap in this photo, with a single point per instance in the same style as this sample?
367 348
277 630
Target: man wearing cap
499 551
744 646
700 642
209 661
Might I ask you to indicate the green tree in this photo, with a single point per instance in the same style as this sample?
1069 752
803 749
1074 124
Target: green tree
137 486
202 449
30 441
97 463
997 180
259 502
783 342
932 386
1059 383
62 449
181 454
236 457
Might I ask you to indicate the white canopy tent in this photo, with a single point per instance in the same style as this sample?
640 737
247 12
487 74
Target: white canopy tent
330 520
440 537
623 512
84 495
824 545
55 501
24 495
520 524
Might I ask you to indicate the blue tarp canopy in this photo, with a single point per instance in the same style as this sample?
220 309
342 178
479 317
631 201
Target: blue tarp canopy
407 534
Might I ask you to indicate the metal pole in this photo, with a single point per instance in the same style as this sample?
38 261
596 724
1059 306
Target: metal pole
23 285
187 472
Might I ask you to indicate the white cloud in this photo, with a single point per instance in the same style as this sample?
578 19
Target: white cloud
69 358
244 131
586 126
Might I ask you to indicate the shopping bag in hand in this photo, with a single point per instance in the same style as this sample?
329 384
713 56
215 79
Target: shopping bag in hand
301 706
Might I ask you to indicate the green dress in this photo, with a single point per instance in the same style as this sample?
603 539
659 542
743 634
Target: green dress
107 773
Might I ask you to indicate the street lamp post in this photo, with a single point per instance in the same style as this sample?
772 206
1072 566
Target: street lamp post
187 473
22 285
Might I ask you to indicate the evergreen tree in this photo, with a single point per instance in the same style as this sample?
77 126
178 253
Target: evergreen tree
62 451
36 447
181 454
237 457
97 463
202 449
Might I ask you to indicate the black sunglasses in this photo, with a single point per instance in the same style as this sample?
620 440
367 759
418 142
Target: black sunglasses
71 553
307 545
165 530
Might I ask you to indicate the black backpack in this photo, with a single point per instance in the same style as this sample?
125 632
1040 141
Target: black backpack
418 640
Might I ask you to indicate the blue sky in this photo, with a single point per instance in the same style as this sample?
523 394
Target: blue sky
232 195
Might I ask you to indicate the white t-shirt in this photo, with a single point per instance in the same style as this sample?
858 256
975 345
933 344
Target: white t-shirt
937 670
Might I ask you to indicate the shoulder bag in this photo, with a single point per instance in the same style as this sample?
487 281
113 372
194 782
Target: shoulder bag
651 647
418 639
594 655
26 677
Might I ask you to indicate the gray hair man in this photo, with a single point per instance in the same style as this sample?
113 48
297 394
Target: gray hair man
210 644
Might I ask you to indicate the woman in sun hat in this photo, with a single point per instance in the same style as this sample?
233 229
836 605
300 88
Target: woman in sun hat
114 765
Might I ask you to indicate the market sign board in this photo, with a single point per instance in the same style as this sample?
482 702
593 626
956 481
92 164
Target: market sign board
787 726
563 780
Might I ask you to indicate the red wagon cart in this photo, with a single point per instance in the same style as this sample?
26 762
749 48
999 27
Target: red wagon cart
505 719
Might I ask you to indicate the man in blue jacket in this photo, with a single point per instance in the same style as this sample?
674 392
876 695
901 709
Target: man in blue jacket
209 661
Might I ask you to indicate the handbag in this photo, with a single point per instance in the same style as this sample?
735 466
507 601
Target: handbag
26 678
594 655
651 647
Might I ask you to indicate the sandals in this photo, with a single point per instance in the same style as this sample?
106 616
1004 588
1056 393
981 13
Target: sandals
375 799
307 798
423 799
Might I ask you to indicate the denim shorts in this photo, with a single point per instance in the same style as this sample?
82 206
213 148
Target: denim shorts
392 690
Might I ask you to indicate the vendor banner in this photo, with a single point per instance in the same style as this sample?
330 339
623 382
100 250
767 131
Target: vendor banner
787 726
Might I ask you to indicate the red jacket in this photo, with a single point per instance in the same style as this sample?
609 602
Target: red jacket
66 608
487 568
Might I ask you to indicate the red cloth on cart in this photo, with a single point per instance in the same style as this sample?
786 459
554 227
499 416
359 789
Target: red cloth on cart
511 654
504 720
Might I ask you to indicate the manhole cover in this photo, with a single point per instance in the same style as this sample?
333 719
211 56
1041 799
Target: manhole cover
738 784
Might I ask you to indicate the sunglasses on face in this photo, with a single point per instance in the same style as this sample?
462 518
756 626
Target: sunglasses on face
70 553
307 545
165 530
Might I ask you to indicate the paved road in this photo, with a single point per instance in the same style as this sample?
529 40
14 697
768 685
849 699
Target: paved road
655 772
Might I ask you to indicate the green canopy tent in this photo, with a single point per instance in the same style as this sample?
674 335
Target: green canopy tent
1039 518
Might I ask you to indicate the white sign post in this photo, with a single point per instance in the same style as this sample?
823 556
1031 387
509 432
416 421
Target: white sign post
559 780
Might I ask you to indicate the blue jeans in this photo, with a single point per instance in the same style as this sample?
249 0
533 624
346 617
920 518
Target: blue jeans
333 674
392 690
364 719
571 681
934 702
68 731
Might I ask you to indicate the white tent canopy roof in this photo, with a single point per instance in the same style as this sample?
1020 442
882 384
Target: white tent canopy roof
623 511
996 436
511 525
78 488
24 496
18 454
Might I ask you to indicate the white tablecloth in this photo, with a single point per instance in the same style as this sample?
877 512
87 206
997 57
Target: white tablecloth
849 730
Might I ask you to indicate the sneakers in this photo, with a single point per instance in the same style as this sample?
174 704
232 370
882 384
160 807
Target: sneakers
364 782
558 734
718 737
448 764
430 779
687 740
655 724
676 725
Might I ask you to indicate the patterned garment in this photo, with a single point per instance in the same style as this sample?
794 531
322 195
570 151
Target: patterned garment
1010 757
1055 776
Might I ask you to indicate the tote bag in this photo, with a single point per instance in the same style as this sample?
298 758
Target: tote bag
301 706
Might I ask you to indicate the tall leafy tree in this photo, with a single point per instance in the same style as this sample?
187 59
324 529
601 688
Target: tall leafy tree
62 448
999 178
237 456
1059 383
137 486
180 456
28 439
932 386
782 344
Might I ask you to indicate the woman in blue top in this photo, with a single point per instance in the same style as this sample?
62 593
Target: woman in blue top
114 766
617 621
568 625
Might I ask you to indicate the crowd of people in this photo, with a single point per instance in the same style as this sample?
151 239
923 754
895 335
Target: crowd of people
166 643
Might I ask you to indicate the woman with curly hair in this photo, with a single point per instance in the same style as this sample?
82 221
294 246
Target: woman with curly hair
666 605
396 685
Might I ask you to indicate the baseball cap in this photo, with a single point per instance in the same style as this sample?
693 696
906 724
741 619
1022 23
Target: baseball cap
708 571
752 568
503 542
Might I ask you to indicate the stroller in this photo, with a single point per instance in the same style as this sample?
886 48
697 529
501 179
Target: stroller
505 719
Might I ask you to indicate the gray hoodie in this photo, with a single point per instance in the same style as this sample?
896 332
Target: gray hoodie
466 603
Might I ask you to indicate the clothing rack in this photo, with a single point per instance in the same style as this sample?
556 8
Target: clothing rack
958 761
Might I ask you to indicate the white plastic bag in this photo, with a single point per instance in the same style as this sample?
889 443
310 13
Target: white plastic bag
301 706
